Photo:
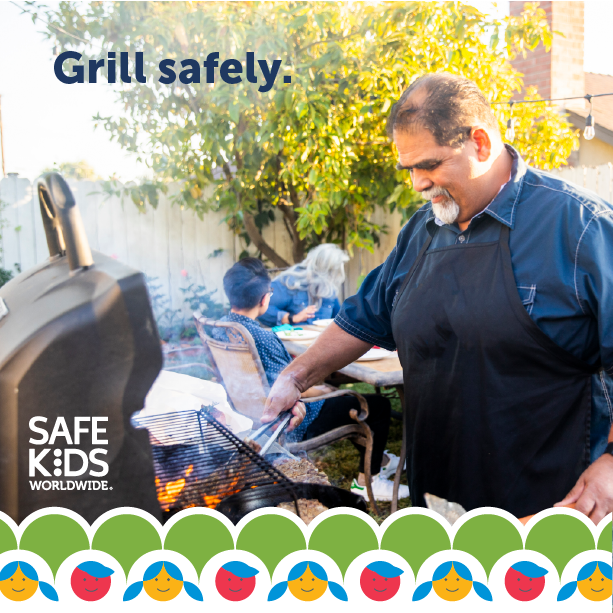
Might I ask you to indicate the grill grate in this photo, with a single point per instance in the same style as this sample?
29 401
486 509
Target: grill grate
198 461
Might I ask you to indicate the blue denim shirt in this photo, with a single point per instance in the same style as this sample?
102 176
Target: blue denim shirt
275 358
284 301
561 244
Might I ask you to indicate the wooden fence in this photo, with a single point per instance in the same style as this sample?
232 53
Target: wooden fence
168 243
174 245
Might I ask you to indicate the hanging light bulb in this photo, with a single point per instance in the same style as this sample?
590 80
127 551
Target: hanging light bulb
589 131
510 133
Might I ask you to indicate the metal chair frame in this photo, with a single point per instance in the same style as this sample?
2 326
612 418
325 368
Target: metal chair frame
240 339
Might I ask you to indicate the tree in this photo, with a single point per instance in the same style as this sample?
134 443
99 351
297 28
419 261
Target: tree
74 170
313 151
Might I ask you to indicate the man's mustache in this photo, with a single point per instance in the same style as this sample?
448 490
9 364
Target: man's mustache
435 191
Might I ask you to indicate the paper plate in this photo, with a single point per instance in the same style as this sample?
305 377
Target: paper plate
377 354
297 335
322 323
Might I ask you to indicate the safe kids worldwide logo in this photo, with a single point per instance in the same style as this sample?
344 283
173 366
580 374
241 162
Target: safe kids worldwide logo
56 452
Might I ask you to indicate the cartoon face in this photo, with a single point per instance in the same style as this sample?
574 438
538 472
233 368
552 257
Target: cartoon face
87 587
452 587
377 587
232 587
523 588
596 587
307 587
18 587
163 587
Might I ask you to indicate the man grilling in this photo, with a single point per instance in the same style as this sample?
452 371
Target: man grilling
497 297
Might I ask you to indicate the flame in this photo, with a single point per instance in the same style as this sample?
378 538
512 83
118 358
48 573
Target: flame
189 470
170 492
212 501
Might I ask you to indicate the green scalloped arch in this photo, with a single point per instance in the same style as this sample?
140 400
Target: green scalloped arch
54 538
415 538
605 542
8 540
271 538
199 538
560 538
343 538
488 538
127 538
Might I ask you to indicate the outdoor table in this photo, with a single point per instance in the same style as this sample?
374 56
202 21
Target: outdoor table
379 373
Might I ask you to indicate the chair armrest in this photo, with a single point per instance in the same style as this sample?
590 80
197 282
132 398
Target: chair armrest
358 416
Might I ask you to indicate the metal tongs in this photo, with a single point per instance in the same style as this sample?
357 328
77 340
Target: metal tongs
282 420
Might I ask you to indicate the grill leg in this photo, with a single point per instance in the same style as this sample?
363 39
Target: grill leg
367 472
403 452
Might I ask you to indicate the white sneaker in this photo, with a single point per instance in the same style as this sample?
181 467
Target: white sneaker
382 489
389 470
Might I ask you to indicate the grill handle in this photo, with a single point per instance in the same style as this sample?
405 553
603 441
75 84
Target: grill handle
62 222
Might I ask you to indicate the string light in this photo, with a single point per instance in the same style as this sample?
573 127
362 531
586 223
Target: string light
589 131
510 133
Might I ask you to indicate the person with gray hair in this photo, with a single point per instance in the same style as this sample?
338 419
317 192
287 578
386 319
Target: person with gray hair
309 290
499 299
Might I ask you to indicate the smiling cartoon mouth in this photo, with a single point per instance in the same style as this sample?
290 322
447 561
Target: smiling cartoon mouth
593 590
159 590
91 590
21 590
457 588
307 590
525 590
240 589
376 590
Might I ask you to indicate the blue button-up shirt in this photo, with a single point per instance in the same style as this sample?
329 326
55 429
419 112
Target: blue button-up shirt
275 358
561 244
287 301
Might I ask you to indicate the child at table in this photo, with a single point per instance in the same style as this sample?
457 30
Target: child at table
247 285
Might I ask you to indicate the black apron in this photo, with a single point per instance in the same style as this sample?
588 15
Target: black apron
497 413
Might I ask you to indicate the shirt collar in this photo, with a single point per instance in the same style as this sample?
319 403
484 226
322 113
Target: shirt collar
241 319
502 207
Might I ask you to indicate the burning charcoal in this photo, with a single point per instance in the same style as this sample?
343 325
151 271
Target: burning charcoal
309 509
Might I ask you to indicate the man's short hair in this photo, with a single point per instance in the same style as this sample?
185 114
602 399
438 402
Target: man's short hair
449 108
246 283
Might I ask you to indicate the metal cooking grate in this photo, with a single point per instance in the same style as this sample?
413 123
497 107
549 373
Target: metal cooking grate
198 461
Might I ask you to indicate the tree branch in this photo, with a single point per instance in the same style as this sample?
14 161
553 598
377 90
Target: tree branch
258 240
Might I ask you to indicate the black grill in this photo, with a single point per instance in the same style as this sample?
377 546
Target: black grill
198 461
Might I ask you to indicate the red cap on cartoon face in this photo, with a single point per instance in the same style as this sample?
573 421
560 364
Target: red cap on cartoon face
91 581
235 581
525 581
380 581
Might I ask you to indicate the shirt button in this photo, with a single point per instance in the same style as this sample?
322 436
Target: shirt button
461 238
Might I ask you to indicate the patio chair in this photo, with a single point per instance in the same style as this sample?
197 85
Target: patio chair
240 369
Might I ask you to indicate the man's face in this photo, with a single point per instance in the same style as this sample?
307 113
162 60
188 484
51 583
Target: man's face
442 174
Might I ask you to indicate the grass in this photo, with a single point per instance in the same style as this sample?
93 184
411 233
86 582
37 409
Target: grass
340 460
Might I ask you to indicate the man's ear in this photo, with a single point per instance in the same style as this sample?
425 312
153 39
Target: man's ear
483 143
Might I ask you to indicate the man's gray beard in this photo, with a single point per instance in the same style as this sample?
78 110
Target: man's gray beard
447 210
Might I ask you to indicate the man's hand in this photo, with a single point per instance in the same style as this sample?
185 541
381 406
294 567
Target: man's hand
593 493
284 395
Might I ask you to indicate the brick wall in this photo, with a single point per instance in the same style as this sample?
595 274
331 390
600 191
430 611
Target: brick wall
558 73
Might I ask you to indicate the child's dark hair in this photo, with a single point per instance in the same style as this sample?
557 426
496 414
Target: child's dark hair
246 283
